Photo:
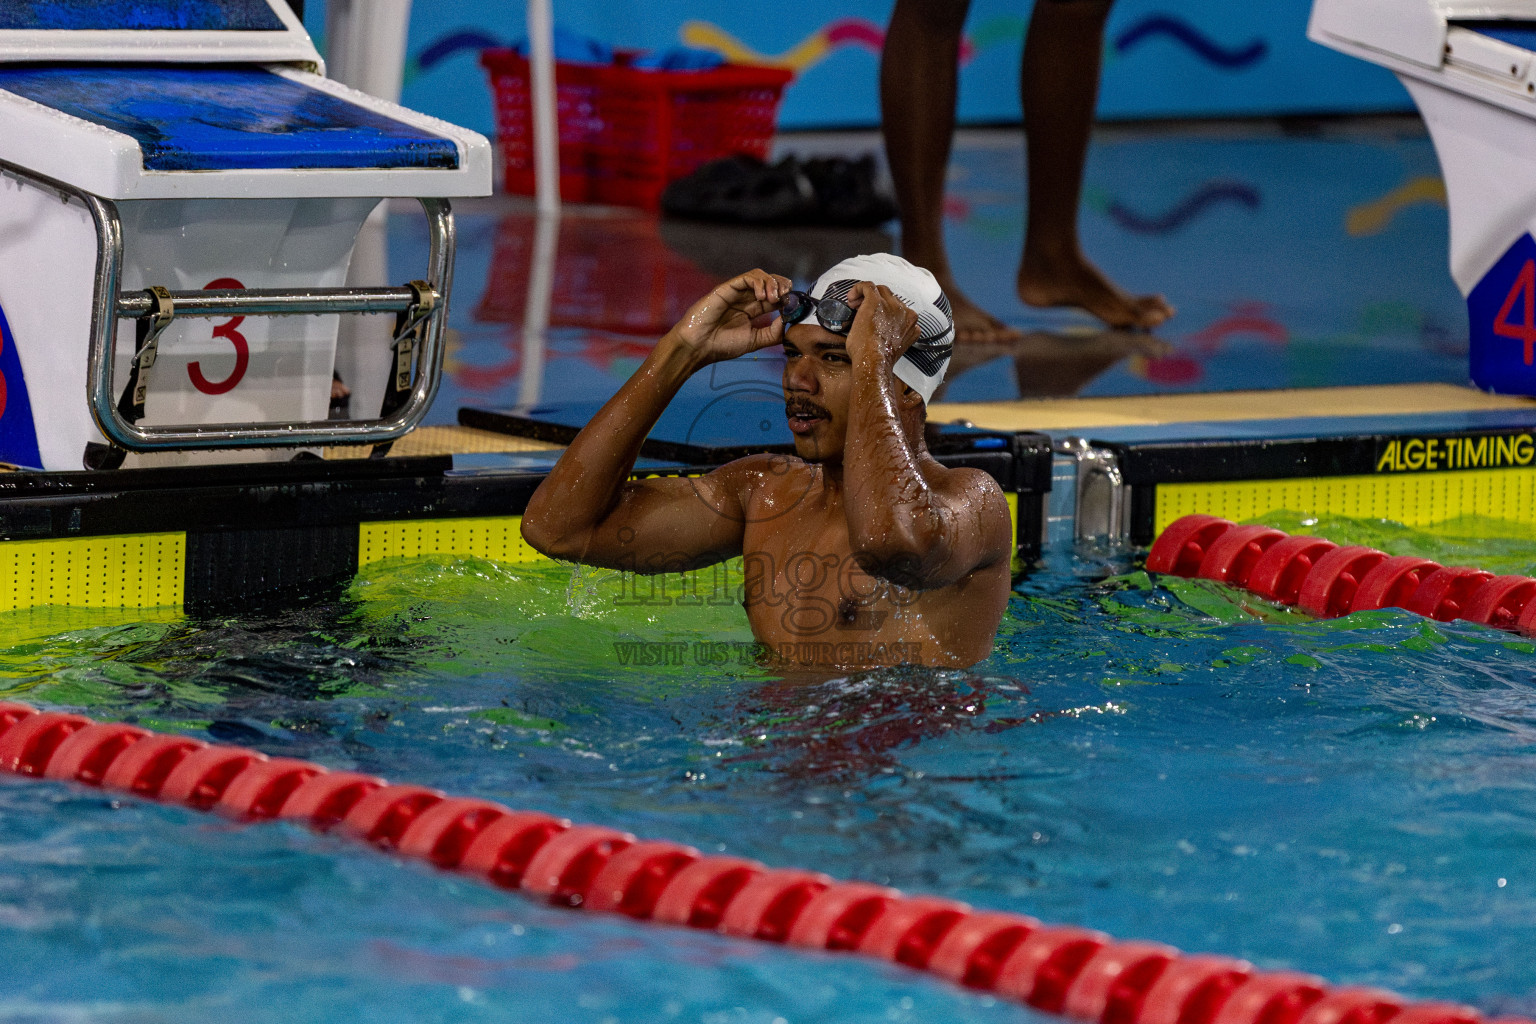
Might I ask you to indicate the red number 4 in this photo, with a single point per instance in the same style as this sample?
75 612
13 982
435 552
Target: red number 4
1523 288
229 329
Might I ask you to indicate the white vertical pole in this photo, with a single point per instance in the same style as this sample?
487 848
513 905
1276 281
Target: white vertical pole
365 49
546 131
365 43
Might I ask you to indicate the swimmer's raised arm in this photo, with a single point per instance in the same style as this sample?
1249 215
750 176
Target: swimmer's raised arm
588 510
918 529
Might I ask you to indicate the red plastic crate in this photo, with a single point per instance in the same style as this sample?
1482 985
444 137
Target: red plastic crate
626 132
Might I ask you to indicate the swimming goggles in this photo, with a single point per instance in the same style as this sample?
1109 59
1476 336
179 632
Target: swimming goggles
833 314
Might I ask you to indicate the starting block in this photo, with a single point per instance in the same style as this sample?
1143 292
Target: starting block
180 192
1471 69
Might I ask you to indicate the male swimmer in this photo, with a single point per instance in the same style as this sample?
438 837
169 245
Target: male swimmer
861 551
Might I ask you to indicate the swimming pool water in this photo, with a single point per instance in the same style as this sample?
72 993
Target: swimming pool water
1354 798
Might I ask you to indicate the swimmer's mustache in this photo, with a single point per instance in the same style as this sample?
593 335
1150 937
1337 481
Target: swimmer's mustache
805 409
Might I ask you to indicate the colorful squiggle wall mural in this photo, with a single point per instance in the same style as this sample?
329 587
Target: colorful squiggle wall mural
1166 58
1207 196
1373 217
1230 58
445 46
1181 367
867 35
810 51
1213 193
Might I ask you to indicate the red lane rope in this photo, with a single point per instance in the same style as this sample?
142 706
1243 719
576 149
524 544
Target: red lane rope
1081 974
1326 580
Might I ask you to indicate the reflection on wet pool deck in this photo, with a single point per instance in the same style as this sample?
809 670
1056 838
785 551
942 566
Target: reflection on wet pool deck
1307 256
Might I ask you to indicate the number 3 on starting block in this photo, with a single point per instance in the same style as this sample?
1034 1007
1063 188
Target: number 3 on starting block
1502 315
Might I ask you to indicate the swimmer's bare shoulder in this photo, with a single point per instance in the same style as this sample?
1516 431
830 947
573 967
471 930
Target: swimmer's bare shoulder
971 534
976 528
963 580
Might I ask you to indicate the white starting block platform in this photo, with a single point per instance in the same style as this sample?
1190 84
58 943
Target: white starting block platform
180 191
1471 69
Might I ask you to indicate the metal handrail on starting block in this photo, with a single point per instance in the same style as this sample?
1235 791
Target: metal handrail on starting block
422 307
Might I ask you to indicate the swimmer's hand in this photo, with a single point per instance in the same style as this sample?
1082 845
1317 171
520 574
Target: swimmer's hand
731 320
883 327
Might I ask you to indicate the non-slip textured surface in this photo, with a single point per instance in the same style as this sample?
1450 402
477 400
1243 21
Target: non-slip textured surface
192 118
185 15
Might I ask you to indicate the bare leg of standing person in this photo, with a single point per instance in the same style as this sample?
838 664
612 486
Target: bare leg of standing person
919 80
1059 83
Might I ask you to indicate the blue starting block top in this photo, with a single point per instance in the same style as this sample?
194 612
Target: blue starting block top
215 118
142 15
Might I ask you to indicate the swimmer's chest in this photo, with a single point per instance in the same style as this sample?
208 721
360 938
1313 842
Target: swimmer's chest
802 565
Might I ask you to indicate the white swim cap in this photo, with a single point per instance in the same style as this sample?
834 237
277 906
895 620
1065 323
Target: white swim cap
922 366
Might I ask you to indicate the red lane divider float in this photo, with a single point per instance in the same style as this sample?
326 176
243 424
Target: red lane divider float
1328 581
1081 974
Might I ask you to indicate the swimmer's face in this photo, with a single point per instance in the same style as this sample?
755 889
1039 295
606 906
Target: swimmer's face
818 380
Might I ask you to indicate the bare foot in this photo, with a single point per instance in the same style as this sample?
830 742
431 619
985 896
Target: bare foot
974 325
1076 282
